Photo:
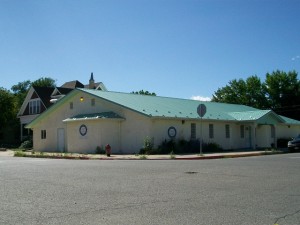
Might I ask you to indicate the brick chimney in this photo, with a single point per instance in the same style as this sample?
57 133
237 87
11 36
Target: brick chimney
92 82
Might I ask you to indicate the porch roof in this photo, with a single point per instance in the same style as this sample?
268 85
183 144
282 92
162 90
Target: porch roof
259 116
94 116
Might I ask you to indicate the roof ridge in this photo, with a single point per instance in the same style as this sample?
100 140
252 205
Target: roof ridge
150 96
257 110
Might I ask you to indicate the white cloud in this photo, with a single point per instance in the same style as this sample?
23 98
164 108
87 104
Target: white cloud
201 98
296 58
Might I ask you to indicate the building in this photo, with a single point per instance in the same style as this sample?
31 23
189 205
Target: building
86 118
39 99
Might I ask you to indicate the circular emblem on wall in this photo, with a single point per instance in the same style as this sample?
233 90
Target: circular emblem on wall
172 132
83 130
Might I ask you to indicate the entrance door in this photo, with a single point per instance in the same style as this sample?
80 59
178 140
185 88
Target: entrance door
61 139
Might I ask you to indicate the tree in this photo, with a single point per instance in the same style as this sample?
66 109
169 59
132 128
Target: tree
142 92
249 92
20 91
283 89
283 92
280 92
7 106
44 82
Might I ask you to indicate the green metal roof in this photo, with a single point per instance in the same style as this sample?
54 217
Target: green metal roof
165 107
155 106
290 121
94 116
260 116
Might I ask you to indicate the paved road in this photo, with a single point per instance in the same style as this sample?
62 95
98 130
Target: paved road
256 190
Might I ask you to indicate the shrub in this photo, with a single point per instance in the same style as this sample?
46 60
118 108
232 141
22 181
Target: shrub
172 155
19 154
147 146
211 147
142 157
182 146
26 144
100 150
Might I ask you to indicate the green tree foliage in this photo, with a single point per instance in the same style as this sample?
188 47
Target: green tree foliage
20 91
280 92
250 92
7 106
44 82
283 89
142 92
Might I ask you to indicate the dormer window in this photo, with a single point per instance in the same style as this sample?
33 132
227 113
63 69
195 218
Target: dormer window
34 106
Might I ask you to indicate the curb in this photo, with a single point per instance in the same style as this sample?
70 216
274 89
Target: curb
231 156
159 158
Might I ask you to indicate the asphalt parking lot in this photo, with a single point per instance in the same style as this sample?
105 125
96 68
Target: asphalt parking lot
239 191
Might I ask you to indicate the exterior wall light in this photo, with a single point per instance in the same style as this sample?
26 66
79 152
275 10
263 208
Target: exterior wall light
81 99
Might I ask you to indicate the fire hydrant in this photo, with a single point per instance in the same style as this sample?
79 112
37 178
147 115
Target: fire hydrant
108 150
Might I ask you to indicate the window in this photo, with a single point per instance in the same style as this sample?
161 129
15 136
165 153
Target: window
34 106
193 131
242 131
43 134
211 130
272 131
227 131
93 102
71 105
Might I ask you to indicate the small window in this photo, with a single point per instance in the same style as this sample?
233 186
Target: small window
43 134
193 131
242 131
71 105
227 131
211 130
93 102
272 131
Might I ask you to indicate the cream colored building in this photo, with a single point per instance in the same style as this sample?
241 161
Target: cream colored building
85 119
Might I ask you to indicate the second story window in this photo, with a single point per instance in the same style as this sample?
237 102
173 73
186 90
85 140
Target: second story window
35 106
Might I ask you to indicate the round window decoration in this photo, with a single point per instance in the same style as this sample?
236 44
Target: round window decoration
83 130
172 132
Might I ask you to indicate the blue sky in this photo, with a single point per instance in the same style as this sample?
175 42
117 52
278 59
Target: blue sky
174 48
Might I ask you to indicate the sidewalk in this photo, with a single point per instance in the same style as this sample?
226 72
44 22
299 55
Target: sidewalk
235 154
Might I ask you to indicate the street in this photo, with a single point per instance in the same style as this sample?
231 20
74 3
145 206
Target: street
263 190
